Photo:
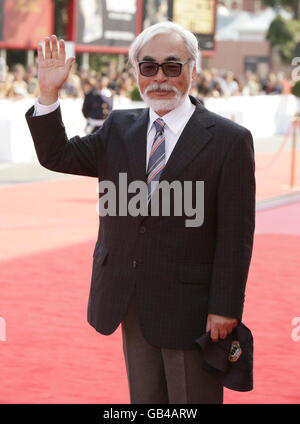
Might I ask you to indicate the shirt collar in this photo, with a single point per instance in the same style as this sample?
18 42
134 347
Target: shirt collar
175 118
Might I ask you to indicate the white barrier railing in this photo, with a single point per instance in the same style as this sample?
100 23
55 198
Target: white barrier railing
264 116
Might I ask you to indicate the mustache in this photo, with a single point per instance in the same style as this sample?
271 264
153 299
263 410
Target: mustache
161 87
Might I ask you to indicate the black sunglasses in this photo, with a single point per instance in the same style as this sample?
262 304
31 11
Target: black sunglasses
170 69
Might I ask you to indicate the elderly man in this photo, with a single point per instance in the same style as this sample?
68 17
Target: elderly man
166 282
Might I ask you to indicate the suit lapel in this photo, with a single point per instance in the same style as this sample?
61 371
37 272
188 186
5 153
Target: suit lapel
193 139
136 143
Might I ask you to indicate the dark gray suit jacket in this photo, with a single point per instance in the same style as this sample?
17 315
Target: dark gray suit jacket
180 274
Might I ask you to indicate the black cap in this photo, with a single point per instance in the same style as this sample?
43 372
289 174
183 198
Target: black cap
231 359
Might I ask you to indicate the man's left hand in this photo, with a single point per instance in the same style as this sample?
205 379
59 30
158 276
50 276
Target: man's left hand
220 326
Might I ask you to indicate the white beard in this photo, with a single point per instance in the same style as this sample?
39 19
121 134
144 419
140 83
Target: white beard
163 104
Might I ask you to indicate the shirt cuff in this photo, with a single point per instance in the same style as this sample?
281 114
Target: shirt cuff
43 109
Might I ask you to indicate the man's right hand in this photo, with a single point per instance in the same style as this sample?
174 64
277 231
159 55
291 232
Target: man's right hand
53 69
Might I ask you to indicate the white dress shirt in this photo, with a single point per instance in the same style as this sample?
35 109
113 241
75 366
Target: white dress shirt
175 121
40 109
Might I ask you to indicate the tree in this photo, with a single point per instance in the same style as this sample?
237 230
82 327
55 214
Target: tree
279 33
285 35
296 89
293 5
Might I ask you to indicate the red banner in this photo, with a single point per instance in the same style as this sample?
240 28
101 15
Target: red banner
24 23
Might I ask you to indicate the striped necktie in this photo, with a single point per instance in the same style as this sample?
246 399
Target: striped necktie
157 157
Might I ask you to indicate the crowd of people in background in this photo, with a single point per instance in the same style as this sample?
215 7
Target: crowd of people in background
22 82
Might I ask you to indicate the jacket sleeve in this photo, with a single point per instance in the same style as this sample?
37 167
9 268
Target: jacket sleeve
78 155
235 228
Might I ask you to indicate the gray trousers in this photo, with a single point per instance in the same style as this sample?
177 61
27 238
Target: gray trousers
164 376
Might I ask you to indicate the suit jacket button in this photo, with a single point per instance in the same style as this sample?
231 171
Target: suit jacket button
142 230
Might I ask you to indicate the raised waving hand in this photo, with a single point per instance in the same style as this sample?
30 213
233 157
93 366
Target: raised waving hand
53 69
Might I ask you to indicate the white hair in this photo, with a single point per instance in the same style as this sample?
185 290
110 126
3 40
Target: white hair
167 27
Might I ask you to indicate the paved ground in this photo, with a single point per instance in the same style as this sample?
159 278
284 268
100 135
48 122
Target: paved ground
272 181
271 144
17 173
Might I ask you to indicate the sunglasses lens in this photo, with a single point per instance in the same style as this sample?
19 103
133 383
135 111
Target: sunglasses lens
172 69
148 69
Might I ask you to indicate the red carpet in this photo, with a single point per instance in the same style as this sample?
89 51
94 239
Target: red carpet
273 177
51 354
